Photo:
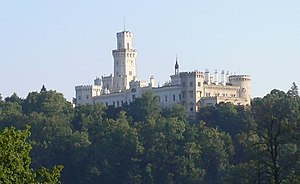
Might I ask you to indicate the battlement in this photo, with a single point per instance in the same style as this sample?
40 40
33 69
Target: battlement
84 87
239 77
87 87
191 74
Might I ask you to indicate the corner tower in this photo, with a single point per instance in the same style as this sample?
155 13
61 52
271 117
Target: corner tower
124 62
244 81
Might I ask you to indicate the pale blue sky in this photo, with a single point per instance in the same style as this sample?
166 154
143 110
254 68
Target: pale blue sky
66 43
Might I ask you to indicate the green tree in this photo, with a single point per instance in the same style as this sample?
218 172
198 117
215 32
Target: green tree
11 114
47 102
54 142
176 111
15 160
14 98
217 151
276 116
168 157
146 106
115 152
294 91
227 117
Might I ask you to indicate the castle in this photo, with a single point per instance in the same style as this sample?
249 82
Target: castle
190 89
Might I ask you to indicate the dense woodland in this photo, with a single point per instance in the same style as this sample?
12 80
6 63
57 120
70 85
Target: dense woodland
143 143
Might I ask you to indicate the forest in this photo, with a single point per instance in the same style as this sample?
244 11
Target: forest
44 139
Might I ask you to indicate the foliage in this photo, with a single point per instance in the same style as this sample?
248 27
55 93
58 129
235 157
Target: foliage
142 143
15 160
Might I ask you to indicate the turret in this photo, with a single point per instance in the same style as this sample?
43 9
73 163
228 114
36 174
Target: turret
244 81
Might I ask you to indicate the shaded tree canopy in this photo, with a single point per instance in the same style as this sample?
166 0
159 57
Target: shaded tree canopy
142 143
15 160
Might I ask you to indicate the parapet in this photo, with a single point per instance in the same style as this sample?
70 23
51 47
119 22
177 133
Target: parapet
191 74
239 77
87 87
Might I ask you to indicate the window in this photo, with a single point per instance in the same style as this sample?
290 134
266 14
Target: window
114 103
118 103
191 84
191 94
183 84
87 96
191 109
174 98
199 84
106 104
179 96
133 97
166 98
79 97
127 45
130 72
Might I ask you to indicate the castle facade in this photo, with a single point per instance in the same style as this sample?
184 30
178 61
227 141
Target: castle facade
191 89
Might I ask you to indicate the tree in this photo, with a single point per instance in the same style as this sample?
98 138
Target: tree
146 106
176 111
217 151
276 116
227 117
47 102
294 91
14 98
168 156
114 156
55 142
11 114
15 160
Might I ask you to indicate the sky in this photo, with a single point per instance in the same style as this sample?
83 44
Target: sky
61 44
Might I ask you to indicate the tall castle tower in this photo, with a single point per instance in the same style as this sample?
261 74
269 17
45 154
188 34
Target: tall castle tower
124 62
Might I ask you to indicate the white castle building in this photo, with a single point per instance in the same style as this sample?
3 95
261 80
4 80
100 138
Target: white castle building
190 89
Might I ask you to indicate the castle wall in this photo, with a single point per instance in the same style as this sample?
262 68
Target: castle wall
85 93
191 89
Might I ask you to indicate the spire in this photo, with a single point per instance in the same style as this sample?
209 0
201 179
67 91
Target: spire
176 67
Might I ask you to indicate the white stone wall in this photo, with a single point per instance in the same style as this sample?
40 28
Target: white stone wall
85 93
107 83
168 95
